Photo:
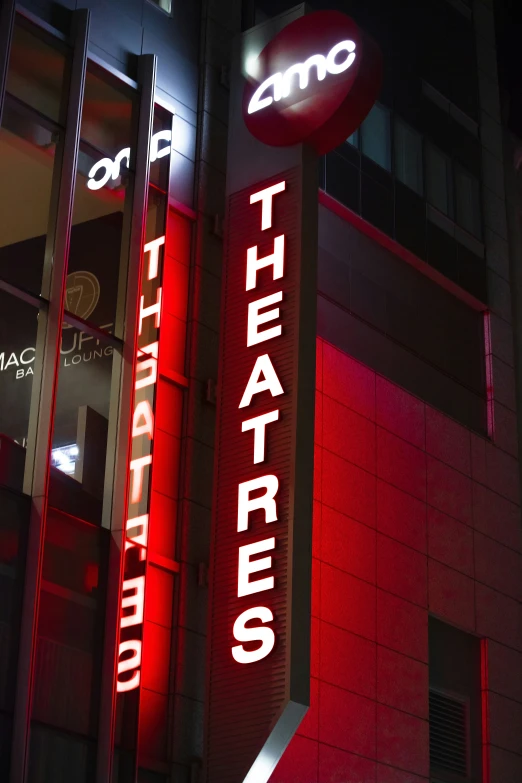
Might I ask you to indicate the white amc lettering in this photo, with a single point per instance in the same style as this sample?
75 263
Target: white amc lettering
282 83
112 168
262 378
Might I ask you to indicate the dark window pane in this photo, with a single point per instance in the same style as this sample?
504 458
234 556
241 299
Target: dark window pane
467 190
375 135
5 745
472 273
81 425
99 202
442 251
57 757
36 73
161 144
14 521
410 220
439 180
27 152
408 156
70 625
377 204
18 325
342 181
354 139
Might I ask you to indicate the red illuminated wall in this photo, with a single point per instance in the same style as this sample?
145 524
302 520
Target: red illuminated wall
413 514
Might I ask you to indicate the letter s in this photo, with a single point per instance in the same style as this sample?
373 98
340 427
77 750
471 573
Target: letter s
257 634
128 665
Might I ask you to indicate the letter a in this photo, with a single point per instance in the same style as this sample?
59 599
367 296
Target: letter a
271 383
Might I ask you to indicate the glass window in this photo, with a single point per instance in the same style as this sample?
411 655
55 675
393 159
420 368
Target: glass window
375 136
18 326
14 521
36 73
70 624
467 192
354 139
408 156
165 5
27 154
81 425
100 198
439 180
81 419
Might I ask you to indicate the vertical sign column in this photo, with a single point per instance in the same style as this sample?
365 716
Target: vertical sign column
260 602
137 525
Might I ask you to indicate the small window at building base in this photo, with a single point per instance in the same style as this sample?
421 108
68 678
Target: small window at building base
165 5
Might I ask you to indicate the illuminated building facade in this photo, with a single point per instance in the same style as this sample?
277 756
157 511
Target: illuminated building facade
114 125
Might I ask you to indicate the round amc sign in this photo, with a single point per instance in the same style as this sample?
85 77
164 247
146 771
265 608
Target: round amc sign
315 82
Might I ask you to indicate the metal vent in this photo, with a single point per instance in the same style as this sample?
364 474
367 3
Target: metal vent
448 734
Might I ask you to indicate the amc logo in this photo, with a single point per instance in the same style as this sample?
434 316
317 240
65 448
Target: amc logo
314 83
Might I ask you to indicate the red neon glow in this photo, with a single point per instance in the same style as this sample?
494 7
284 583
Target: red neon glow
137 527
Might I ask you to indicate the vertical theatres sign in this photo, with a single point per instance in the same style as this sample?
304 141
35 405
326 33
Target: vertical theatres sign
261 557
295 95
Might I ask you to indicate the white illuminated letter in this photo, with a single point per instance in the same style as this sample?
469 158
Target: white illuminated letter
123 155
258 424
155 151
342 46
154 309
153 248
275 259
246 567
143 411
137 466
303 70
96 184
271 383
145 363
257 102
255 319
257 634
128 664
134 601
265 197
140 539
266 501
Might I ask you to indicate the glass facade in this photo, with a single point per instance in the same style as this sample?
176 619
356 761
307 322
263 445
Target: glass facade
71 247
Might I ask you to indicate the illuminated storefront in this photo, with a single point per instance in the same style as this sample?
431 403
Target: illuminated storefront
259 481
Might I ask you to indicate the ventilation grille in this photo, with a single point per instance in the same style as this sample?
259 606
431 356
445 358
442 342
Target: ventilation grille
448 734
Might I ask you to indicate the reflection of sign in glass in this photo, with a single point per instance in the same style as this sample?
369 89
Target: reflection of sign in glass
82 294
112 168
